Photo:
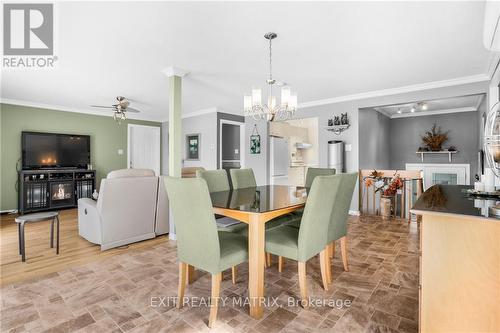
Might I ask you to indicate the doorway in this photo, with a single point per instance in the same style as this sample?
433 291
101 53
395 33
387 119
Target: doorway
231 145
143 147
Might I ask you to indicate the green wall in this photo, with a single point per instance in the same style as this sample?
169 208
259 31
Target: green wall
106 137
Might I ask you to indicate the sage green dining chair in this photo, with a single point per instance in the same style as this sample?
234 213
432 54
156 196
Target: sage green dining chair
242 178
199 244
338 221
314 172
310 175
217 181
311 239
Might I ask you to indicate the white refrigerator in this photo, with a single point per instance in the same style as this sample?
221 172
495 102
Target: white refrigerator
280 161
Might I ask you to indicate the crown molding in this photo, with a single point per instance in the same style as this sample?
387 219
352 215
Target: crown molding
174 71
399 90
75 110
433 113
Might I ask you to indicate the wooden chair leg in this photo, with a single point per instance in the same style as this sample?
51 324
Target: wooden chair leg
214 299
183 268
233 274
323 260
190 274
343 249
303 284
268 259
281 263
330 269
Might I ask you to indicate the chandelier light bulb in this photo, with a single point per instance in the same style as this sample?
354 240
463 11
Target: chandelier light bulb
256 96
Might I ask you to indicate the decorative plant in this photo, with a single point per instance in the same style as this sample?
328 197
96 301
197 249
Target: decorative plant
387 185
435 138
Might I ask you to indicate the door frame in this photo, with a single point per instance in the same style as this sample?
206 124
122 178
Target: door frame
156 129
242 140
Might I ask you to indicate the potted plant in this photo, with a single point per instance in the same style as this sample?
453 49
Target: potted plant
435 138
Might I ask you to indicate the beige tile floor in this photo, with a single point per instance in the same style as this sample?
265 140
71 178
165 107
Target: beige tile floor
128 292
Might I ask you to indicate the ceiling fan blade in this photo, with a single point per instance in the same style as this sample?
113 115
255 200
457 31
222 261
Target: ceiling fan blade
102 106
132 110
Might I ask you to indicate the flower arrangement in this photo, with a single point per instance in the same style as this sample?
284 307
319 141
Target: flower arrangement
389 186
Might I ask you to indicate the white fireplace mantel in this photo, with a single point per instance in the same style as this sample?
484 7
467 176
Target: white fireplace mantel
432 171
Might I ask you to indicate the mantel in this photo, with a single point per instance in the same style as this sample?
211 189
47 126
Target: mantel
450 153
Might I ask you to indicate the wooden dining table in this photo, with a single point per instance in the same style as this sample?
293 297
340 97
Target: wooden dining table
256 206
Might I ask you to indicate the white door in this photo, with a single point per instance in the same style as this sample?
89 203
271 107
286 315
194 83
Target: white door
143 150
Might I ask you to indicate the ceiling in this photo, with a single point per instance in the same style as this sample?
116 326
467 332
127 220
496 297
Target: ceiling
432 107
324 50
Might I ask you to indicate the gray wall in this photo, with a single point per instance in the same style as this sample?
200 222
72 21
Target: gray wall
260 163
374 133
463 134
230 142
206 125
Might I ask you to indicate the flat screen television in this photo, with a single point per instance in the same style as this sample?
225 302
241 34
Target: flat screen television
50 150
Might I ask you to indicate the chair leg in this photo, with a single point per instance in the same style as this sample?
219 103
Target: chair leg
190 274
323 259
343 249
233 274
281 263
268 259
214 299
183 271
330 265
303 284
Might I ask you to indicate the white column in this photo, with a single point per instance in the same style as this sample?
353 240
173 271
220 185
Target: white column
175 76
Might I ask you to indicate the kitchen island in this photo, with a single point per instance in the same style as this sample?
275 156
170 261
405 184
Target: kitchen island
459 262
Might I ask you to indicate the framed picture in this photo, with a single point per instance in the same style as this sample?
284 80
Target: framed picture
193 147
255 144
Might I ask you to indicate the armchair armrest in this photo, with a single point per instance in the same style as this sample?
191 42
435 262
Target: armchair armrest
89 220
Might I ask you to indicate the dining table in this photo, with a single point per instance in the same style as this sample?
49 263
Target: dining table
256 206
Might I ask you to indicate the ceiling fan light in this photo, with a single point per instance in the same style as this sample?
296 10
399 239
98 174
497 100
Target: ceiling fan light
399 111
424 106
412 109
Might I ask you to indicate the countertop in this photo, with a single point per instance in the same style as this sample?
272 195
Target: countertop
453 200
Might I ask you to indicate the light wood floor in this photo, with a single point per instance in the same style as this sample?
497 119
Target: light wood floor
41 260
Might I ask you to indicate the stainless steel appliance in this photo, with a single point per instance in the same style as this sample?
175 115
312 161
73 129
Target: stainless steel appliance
336 155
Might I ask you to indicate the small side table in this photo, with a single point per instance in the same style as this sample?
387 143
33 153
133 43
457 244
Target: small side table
37 217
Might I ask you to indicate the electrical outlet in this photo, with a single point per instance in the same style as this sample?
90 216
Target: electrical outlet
236 151
120 151
348 147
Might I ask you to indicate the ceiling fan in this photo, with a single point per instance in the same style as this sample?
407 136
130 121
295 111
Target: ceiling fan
119 109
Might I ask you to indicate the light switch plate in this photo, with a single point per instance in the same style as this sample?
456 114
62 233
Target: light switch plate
236 151
348 147
120 151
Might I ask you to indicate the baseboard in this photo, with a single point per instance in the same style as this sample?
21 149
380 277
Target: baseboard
8 211
172 236
127 241
354 212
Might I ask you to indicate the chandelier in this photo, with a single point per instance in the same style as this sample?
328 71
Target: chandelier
492 139
271 111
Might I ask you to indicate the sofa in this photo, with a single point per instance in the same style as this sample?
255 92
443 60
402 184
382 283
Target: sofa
132 206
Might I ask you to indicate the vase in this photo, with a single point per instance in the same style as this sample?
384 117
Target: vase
386 206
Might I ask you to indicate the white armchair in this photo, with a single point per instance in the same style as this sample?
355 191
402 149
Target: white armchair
125 211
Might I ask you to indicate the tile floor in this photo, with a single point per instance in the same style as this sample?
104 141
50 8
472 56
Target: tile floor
130 292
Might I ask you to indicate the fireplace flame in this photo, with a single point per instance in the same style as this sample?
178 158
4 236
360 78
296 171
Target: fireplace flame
61 193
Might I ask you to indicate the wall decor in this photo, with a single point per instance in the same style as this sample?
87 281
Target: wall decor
338 124
193 147
255 141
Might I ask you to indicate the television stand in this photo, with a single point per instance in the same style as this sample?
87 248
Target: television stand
46 189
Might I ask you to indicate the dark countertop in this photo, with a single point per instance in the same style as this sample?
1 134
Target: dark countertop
453 199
